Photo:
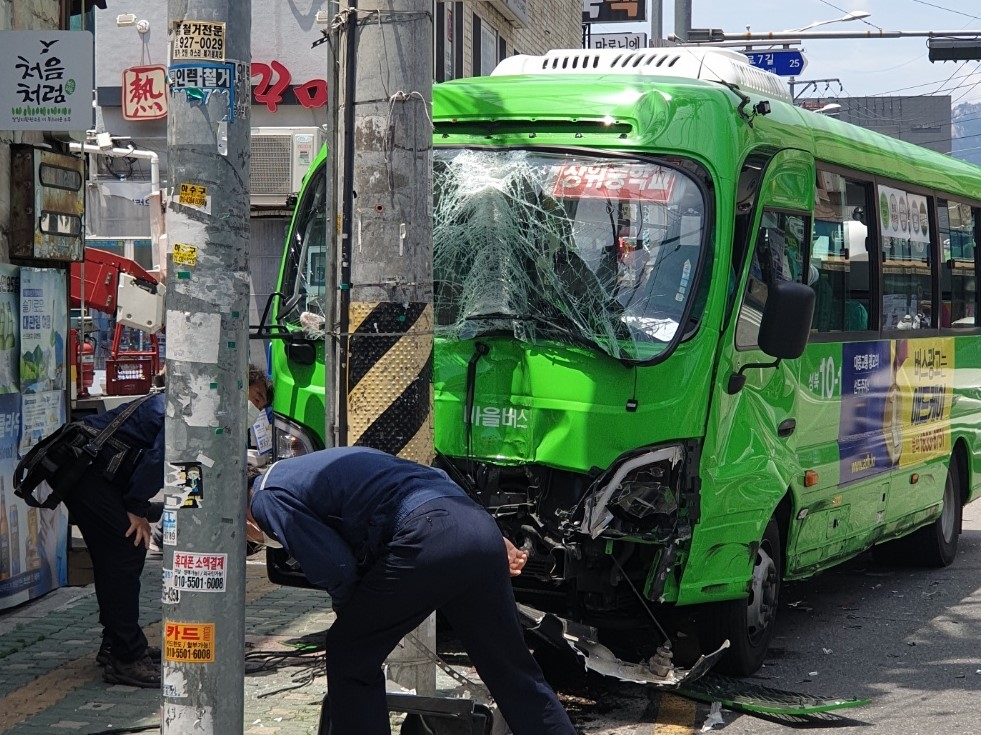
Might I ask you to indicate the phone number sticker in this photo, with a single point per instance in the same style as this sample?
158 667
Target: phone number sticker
199 40
169 595
200 572
190 643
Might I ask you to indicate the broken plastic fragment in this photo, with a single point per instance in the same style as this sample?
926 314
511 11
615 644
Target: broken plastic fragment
714 717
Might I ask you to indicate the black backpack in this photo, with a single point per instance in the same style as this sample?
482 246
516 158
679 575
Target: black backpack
61 458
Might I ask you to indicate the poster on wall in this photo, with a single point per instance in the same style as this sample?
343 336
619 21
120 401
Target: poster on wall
41 414
9 327
33 542
43 329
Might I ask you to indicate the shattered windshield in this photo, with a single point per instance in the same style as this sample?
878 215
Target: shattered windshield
572 248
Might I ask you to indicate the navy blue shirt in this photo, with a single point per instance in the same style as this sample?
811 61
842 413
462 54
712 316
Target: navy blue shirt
334 510
143 430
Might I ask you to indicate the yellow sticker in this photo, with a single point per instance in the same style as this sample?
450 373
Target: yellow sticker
189 643
185 254
193 195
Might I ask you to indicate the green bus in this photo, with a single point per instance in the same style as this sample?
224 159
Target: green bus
691 340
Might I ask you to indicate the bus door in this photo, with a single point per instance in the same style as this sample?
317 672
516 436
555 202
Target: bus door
750 461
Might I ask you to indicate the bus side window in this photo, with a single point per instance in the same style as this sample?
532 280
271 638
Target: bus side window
908 262
957 228
838 269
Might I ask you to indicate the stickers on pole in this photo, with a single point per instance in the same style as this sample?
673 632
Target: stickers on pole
194 39
169 594
189 643
169 523
187 718
185 254
190 484
194 195
200 572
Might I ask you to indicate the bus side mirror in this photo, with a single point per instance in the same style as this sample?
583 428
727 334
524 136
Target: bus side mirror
786 322
301 351
784 327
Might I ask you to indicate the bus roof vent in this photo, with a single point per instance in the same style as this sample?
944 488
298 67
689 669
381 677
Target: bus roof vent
690 62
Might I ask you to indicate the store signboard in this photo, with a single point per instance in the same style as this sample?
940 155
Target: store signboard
47 80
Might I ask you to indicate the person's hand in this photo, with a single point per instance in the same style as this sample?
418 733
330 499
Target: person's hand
516 558
253 533
139 529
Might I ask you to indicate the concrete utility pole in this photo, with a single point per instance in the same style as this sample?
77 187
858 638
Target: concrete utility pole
208 138
383 357
682 20
657 23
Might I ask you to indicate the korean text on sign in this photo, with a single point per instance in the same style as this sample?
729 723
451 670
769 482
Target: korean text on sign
640 182
200 572
197 40
189 642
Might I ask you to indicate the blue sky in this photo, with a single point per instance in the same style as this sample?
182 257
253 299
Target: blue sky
865 67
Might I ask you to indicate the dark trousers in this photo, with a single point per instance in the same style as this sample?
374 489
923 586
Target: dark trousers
97 509
447 555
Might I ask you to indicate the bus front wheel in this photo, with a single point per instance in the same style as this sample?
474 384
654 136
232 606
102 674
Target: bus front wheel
748 623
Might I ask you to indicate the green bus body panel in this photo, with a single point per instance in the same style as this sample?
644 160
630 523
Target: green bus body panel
564 407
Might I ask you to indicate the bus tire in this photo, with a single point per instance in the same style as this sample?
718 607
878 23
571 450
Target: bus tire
934 545
748 624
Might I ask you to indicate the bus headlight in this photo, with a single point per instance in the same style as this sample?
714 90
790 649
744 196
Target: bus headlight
638 492
290 439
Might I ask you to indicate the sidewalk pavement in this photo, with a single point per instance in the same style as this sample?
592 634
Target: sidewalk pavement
50 682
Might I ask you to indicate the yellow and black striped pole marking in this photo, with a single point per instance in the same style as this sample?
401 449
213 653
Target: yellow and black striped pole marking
389 378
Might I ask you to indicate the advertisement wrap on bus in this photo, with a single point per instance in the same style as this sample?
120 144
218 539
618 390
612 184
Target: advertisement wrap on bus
691 341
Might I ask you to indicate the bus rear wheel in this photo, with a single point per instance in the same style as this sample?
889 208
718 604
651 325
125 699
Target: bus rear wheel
749 623
934 545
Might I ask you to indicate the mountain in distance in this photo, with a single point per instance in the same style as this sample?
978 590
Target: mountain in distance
966 134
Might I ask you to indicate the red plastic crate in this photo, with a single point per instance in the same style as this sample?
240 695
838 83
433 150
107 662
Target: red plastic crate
129 376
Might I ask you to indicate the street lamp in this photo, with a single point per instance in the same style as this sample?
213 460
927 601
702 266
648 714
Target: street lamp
854 15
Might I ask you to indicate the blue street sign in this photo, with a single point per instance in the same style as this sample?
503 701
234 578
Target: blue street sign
785 62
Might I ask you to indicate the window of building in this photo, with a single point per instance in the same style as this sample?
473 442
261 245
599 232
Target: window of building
444 61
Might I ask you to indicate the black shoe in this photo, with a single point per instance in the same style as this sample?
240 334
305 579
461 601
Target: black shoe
140 673
104 656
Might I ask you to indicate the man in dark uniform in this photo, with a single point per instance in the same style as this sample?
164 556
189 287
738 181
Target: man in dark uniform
391 541
113 520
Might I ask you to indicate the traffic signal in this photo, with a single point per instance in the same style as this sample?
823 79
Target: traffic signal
954 49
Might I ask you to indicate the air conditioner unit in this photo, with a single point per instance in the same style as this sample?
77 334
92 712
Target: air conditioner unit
280 158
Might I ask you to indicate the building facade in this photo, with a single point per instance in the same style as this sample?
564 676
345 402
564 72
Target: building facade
33 288
288 110
925 120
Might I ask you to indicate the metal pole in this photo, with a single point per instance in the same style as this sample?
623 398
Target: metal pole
715 35
385 312
208 138
682 20
657 23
